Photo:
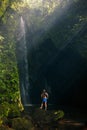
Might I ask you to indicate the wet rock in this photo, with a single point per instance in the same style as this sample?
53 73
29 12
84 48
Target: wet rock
42 117
22 124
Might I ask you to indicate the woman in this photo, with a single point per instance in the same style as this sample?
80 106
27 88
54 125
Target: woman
44 96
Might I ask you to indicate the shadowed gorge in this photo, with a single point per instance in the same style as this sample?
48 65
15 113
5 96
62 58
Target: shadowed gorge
43 65
57 56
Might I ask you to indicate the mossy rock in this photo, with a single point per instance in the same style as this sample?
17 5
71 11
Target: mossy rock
2 127
9 110
14 111
4 109
22 124
46 117
1 121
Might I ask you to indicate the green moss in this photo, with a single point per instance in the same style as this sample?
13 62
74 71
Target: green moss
22 124
5 128
4 109
9 110
1 121
58 115
46 117
14 111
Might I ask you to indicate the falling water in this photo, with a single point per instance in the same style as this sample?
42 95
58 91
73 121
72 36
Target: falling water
23 65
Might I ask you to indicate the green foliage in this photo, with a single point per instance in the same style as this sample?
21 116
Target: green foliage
2 127
9 110
4 109
14 111
8 72
8 66
1 39
22 124
3 5
1 121
58 115
9 80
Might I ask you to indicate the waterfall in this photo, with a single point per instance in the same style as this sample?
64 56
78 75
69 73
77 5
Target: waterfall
23 64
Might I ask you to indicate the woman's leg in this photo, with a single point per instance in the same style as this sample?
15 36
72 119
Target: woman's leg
41 105
45 105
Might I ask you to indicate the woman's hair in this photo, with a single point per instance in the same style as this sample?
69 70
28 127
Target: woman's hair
44 90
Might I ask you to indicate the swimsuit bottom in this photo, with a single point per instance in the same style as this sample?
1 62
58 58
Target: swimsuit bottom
44 100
